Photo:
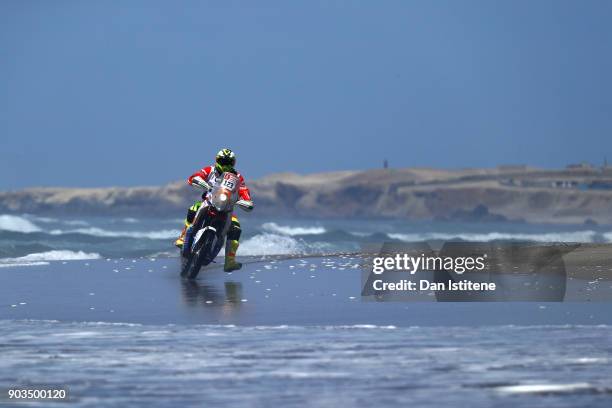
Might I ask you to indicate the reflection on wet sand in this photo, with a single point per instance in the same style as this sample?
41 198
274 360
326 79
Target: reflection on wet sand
196 293
313 291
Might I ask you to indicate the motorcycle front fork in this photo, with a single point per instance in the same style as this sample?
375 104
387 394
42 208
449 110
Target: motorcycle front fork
189 233
188 241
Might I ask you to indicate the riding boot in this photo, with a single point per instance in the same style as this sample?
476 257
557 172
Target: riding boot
231 246
181 239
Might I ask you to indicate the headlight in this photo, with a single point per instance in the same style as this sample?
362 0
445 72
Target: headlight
222 197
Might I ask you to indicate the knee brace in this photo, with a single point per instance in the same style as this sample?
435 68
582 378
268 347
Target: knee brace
190 216
234 231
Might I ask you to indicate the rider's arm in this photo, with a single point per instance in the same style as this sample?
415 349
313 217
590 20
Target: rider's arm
243 191
203 174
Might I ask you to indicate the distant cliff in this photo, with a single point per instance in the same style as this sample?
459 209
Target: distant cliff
512 194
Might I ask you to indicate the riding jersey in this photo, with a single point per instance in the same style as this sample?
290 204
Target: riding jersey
210 175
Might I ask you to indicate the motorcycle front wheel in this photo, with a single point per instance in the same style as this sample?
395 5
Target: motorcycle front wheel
200 256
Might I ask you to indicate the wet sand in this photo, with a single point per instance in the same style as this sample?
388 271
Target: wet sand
306 292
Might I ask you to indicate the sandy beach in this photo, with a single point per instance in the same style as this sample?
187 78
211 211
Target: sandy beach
301 291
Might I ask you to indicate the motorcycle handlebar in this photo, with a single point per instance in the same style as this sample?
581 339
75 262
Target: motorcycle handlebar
201 183
245 205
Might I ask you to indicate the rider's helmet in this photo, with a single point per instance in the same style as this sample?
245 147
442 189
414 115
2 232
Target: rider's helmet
225 161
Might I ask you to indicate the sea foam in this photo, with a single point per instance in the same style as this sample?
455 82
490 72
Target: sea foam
271 244
55 255
15 223
100 232
292 231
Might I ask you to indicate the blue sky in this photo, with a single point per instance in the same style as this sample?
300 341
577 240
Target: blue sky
144 92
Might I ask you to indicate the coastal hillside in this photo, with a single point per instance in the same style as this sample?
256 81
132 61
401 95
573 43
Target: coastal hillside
522 194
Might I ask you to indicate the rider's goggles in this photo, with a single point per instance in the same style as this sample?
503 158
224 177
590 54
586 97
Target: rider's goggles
226 161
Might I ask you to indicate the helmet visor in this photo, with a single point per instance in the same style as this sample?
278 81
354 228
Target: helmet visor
226 161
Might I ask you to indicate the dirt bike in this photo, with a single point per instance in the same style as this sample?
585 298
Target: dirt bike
211 222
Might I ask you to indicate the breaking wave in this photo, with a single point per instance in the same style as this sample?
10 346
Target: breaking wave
15 223
28 235
26 225
50 220
271 244
55 255
292 231
100 232
43 258
274 244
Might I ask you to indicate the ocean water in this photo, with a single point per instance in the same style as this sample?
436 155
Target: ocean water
28 238
109 365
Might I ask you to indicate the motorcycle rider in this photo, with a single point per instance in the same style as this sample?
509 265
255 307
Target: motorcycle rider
225 161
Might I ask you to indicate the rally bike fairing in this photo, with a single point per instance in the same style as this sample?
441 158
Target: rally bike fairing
211 222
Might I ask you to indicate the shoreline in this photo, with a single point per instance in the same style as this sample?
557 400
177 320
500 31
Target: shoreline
323 291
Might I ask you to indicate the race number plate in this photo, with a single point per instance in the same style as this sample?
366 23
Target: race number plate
229 181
